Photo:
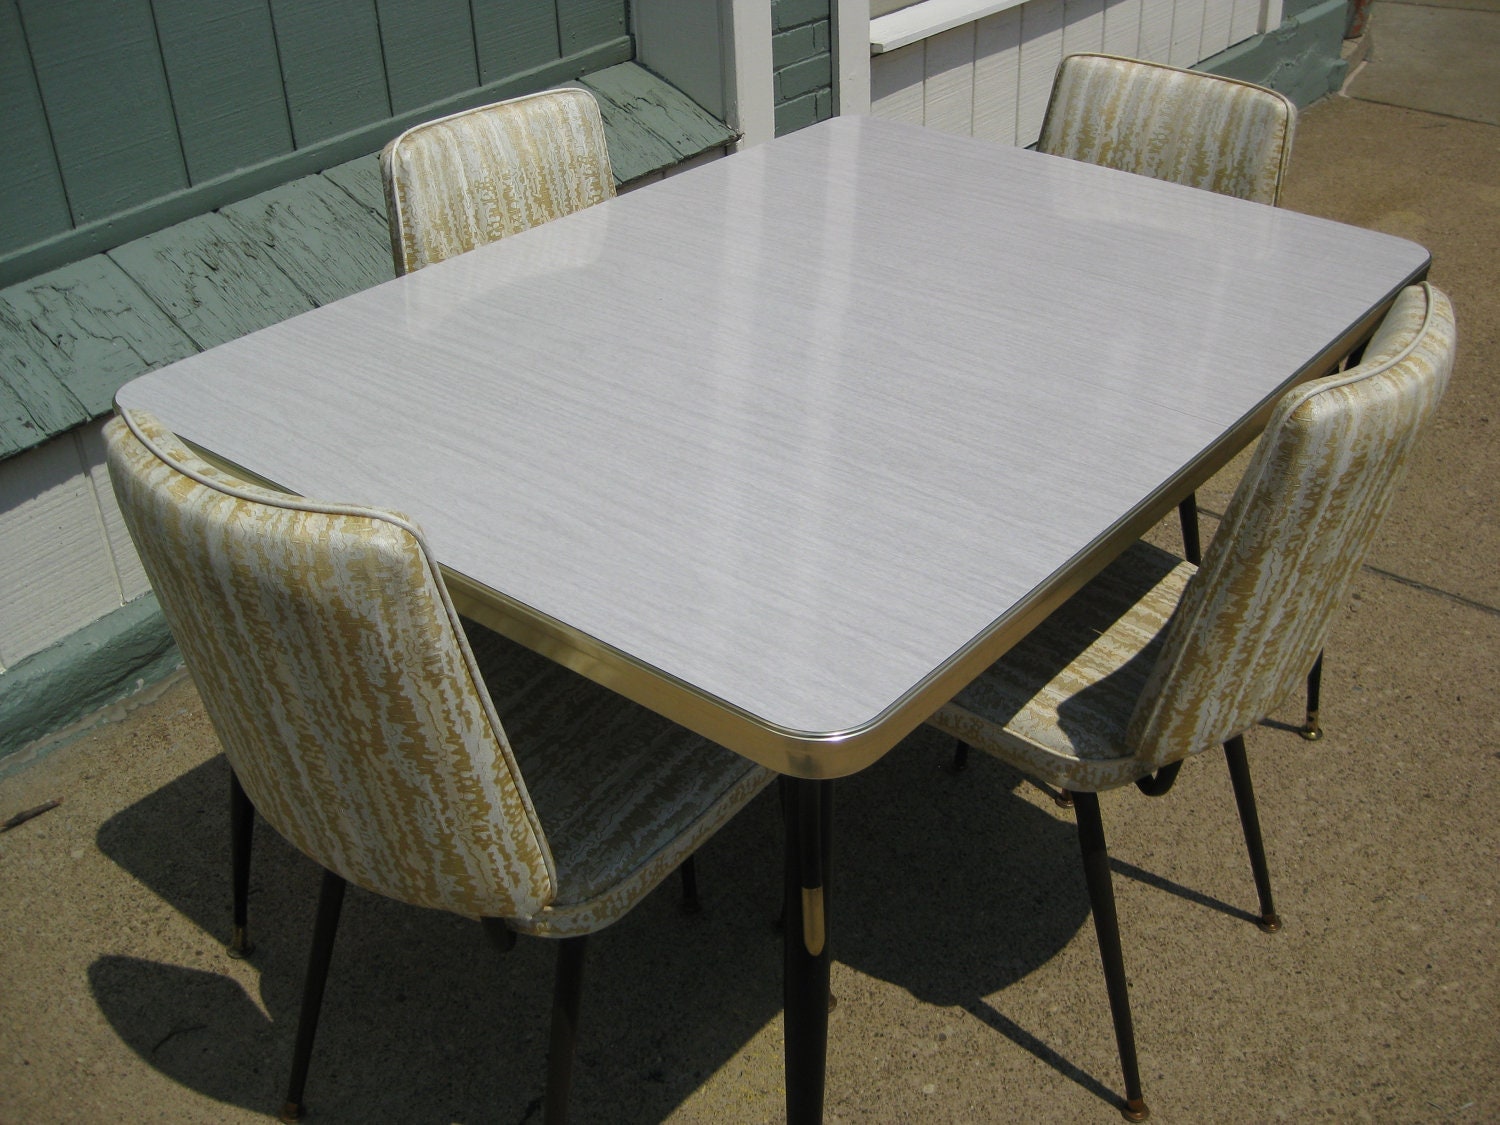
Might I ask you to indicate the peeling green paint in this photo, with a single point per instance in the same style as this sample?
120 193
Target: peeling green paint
1301 59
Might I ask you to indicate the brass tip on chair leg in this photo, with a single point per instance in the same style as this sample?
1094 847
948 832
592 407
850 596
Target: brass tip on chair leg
1269 923
1135 1109
1311 730
1063 799
239 946
291 1112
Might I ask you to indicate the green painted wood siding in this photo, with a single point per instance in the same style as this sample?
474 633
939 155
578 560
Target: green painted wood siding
70 337
34 197
802 58
210 50
121 117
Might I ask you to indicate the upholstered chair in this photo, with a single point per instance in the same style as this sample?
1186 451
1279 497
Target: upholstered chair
363 725
465 180
1183 126
1157 659
1186 127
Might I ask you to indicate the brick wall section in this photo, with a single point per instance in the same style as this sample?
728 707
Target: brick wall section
802 58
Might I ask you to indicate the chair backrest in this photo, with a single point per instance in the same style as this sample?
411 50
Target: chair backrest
1253 619
1183 126
465 180
331 664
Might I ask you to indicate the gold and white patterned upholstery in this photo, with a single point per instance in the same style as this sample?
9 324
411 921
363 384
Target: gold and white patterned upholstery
1155 659
465 180
362 723
1182 126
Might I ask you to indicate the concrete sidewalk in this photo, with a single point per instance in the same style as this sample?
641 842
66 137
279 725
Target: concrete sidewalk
968 976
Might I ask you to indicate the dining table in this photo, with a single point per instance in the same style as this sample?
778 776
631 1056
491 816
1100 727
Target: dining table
789 446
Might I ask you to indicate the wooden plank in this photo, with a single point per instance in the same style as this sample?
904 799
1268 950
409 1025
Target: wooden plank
35 204
1122 28
1218 15
93 327
582 24
318 236
514 37
1041 51
1156 30
997 75
1187 32
360 180
127 564
634 150
663 109
18 432
1245 22
55 567
225 78
34 404
1083 26
213 280
101 79
948 81
331 65
429 50
896 84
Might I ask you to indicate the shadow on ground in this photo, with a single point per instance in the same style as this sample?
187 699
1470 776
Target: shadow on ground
425 1020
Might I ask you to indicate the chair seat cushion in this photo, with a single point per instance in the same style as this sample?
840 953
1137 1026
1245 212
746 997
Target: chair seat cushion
623 795
1057 705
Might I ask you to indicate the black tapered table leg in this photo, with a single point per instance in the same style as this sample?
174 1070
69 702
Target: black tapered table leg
809 824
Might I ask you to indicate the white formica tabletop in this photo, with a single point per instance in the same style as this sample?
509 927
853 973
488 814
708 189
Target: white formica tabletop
789 446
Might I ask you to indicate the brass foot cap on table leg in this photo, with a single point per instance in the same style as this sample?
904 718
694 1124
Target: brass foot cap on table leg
1135 1109
239 947
1312 730
291 1112
1269 923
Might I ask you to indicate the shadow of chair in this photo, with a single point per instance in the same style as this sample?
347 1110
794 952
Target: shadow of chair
363 725
420 994
1156 660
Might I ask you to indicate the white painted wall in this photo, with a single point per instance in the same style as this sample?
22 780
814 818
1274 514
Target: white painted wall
851 55
991 78
65 557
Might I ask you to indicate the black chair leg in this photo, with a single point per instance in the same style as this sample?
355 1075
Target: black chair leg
960 756
1107 927
241 829
1244 797
1187 514
1312 730
690 902
567 997
330 901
